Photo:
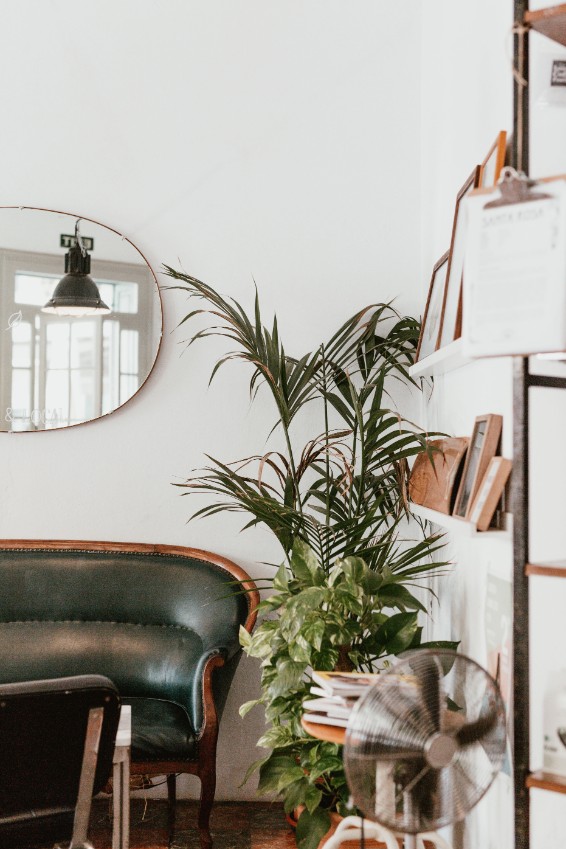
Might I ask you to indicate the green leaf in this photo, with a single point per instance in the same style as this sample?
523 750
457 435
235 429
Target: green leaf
397 633
325 764
247 706
354 568
289 675
311 828
396 595
275 737
313 797
281 579
252 768
452 645
245 638
277 772
295 794
304 565
313 632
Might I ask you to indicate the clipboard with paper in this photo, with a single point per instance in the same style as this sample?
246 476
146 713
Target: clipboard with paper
514 290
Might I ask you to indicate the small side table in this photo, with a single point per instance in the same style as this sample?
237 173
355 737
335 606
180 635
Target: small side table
121 781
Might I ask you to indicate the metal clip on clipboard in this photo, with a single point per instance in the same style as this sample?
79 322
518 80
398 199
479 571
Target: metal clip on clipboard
515 187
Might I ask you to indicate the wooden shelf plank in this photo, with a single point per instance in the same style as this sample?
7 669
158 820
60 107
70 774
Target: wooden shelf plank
547 781
444 360
459 527
551 569
550 22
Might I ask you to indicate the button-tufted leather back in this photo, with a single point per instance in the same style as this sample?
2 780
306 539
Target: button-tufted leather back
142 619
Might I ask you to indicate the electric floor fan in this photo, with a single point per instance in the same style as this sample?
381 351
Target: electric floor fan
422 747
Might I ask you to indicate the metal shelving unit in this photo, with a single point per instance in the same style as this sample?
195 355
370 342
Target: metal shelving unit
550 22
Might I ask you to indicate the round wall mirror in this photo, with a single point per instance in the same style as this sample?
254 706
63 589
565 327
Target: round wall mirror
80 319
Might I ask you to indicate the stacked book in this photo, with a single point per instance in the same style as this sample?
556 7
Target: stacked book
334 696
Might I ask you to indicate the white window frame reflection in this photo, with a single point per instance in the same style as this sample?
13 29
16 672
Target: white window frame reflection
106 398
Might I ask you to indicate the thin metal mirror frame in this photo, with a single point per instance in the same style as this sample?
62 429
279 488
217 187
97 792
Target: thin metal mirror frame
162 327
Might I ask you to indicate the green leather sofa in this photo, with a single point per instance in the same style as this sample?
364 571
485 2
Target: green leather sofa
160 621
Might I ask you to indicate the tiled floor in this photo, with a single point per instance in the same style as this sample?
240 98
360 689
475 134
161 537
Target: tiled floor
242 825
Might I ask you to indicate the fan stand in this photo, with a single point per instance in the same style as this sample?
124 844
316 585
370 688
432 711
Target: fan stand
410 841
351 829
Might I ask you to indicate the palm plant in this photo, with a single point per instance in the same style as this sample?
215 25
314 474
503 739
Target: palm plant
338 506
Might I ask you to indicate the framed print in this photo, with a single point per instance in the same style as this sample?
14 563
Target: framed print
493 162
451 320
435 473
489 492
482 447
428 340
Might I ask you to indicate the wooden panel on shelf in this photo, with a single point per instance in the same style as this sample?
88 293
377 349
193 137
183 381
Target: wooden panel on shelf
550 22
551 569
547 781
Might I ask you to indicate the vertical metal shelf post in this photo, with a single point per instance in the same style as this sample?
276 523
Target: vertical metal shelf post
520 477
520 510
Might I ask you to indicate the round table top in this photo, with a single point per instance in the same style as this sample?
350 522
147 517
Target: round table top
329 733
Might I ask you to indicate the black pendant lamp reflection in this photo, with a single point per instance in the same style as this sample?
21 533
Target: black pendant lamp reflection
76 293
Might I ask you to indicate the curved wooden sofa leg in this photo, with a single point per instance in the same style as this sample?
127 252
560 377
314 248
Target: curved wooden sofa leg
208 787
207 752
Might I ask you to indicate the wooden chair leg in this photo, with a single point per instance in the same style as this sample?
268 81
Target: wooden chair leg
208 788
172 797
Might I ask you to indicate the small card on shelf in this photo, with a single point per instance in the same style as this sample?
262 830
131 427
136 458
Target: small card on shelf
489 492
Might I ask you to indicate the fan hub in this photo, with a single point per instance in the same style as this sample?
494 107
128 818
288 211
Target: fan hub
440 750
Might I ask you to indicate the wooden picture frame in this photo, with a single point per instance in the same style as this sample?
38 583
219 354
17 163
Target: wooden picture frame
483 446
451 321
489 492
493 162
432 318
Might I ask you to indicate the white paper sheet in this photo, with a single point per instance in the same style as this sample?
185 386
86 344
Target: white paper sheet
515 274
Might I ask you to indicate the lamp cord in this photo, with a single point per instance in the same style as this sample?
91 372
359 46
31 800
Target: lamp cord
79 238
362 836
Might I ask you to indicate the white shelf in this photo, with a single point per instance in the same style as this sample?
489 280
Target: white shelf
445 359
459 527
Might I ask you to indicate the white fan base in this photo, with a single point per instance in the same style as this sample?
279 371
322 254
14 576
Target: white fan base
351 829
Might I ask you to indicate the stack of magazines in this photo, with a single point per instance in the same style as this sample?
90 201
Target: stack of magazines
334 696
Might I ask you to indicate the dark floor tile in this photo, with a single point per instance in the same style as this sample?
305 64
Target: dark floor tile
278 840
268 816
234 825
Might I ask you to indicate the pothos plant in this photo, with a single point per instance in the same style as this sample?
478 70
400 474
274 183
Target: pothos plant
337 503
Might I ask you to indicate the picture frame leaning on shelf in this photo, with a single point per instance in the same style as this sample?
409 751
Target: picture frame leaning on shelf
483 446
432 318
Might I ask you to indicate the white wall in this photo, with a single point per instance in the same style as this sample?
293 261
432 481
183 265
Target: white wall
466 100
237 138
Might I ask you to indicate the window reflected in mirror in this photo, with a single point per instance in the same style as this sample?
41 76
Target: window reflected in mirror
62 370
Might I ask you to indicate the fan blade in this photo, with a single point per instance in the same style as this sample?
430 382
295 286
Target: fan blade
424 796
430 678
474 732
